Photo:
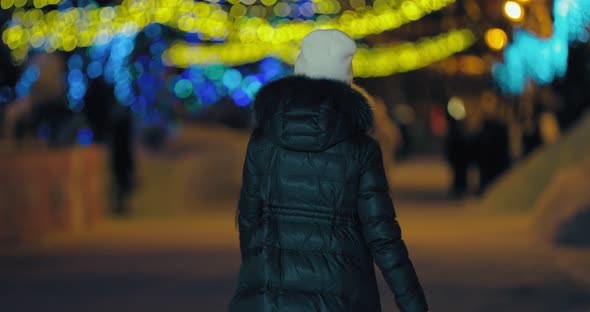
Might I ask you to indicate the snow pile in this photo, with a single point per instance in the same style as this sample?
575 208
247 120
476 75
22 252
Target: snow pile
562 214
519 190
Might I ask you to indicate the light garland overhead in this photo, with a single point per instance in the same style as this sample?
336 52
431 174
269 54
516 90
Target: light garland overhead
319 7
9 4
81 27
368 62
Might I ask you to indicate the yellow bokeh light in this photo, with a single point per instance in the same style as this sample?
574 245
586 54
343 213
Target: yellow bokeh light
513 10
375 62
186 23
411 10
258 11
268 2
238 10
496 38
456 108
209 20
6 4
186 6
202 10
380 6
20 3
19 55
39 3
282 9
472 65
69 43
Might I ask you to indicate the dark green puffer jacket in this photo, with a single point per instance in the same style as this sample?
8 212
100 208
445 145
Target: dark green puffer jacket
314 210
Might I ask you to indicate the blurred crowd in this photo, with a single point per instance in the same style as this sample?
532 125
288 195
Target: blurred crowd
483 135
498 131
43 117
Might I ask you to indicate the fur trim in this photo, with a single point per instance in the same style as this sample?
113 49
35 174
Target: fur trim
352 103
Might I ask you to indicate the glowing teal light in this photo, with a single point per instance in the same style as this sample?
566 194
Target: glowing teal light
183 88
541 60
214 72
232 79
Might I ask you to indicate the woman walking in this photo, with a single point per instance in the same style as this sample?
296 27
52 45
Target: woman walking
314 212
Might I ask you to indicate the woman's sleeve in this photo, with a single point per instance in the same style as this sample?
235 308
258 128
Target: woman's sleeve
250 202
383 234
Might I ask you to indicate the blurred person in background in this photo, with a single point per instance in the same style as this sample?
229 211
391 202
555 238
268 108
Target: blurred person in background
122 158
112 123
8 79
457 153
314 212
492 143
540 125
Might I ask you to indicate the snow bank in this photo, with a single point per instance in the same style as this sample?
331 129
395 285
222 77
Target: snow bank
562 213
519 190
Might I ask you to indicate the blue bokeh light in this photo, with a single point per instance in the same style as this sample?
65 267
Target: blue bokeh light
139 105
251 84
271 69
75 62
156 65
122 47
158 47
196 75
153 30
85 137
208 93
94 69
99 51
26 81
241 98
75 76
77 90
192 38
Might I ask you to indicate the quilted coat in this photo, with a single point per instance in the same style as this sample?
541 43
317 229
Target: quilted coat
314 212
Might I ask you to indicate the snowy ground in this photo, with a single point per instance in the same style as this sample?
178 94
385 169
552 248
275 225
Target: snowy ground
467 261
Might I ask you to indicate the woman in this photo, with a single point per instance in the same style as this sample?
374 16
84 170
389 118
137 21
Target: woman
314 210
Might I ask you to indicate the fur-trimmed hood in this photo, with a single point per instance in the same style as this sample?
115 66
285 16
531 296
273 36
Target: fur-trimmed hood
307 114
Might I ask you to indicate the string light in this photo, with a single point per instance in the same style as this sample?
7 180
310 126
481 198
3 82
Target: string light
456 108
496 38
368 62
83 27
8 4
513 10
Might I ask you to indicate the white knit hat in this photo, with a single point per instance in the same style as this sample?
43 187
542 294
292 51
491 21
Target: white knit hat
326 53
